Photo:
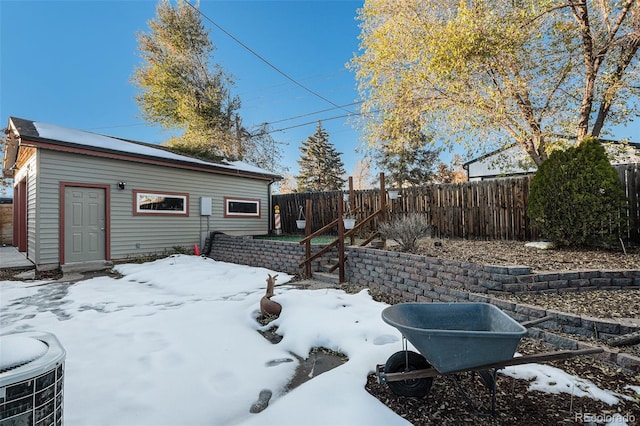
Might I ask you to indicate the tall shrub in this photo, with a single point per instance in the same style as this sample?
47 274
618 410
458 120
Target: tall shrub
576 197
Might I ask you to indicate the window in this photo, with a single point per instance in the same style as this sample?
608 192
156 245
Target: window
241 207
161 203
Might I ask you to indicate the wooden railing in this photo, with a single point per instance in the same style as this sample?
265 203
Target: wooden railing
381 213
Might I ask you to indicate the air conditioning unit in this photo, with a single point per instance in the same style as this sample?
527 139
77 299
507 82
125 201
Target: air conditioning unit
31 379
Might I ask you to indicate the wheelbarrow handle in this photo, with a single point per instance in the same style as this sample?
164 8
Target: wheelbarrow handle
525 359
536 321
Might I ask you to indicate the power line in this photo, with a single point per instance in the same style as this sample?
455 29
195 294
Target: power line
314 113
257 55
313 122
322 119
327 75
265 100
267 123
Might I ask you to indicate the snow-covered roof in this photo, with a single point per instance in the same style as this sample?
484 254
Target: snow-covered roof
39 131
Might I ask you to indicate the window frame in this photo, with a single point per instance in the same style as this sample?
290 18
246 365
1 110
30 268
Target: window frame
237 215
141 212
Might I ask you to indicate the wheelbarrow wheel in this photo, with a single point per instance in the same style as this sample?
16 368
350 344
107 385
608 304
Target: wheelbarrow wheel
404 361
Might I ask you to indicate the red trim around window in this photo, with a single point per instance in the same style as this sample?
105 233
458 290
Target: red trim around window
138 212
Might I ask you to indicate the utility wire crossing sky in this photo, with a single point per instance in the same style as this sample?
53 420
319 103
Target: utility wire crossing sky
73 66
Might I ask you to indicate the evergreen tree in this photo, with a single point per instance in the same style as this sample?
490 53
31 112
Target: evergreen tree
180 89
321 168
576 198
409 162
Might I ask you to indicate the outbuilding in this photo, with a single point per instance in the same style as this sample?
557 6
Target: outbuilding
512 160
83 199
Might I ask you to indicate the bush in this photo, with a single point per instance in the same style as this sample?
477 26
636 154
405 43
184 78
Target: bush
406 231
576 197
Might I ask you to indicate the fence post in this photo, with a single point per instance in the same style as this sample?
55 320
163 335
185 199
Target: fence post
341 241
383 206
351 205
307 231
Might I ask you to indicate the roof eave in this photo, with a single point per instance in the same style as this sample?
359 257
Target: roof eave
40 142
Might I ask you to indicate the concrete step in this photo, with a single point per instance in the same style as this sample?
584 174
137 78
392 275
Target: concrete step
326 267
326 277
94 265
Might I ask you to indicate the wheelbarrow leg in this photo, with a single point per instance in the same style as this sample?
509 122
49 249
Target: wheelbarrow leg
462 392
494 391
488 378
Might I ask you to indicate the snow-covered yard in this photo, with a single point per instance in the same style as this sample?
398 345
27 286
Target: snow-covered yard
176 342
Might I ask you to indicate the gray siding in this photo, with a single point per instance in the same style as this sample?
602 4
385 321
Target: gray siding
28 172
48 219
139 235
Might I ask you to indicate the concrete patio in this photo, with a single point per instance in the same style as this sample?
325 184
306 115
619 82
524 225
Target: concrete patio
11 258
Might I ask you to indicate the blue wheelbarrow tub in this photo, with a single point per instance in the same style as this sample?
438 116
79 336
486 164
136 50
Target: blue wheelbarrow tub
457 336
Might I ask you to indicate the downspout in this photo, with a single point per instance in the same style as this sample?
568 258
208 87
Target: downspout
269 206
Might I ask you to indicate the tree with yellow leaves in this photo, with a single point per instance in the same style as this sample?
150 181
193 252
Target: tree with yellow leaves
493 72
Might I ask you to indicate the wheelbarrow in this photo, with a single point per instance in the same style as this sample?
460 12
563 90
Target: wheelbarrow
454 338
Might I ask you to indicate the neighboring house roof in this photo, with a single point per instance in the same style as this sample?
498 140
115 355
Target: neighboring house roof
510 160
513 160
50 136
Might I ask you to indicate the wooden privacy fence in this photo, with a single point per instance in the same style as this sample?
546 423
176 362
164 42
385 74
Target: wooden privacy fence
630 178
490 209
474 210
495 209
6 224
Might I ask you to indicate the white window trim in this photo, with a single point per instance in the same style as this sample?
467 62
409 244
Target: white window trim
228 213
138 194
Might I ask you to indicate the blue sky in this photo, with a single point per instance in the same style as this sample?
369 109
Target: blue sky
70 62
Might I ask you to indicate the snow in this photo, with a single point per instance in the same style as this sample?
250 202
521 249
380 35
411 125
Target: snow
549 379
541 245
176 341
94 140
17 350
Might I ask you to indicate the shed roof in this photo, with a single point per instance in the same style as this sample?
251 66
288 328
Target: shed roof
51 136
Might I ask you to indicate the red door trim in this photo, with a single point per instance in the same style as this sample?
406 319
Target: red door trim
107 216
20 216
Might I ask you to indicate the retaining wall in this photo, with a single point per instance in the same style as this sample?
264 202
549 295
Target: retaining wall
276 255
427 279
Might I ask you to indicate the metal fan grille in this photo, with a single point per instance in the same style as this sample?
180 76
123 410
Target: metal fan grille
34 402
32 393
